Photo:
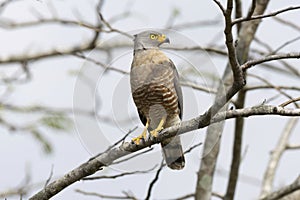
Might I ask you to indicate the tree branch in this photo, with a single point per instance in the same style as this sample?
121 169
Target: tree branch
106 158
127 196
252 63
154 180
119 175
275 158
265 16
283 191
237 149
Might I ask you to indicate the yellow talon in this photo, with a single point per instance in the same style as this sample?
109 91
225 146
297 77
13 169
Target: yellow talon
142 136
160 127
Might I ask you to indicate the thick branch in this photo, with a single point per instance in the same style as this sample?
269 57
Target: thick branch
107 158
237 149
235 67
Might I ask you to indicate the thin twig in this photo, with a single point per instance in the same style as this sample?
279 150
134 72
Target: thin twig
292 147
196 24
252 63
287 23
133 156
103 65
285 44
198 87
103 195
252 9
275 87
192 148
293 100
50 176
11 25
151 185
272 14
111 29
119 175
220 6
282 87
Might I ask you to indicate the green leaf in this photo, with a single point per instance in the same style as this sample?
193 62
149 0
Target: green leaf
57 122
47 148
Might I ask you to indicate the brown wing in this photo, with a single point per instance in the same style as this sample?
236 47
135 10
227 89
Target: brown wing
177 87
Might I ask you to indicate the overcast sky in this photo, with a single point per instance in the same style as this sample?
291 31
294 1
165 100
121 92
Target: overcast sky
52 85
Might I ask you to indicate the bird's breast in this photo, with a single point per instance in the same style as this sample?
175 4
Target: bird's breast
153 90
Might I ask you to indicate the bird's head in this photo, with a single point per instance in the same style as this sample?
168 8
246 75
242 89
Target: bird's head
149 40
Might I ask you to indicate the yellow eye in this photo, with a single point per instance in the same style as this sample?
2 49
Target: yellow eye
153 36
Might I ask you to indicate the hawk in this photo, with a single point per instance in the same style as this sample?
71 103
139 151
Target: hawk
156 93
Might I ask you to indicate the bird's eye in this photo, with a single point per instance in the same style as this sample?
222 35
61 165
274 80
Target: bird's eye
153 36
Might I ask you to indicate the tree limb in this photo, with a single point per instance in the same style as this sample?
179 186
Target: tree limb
283 191
275 158
265 16
126 148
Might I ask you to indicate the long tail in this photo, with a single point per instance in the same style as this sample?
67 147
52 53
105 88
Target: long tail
173 153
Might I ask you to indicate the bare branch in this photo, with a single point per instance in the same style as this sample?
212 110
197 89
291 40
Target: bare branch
192 148
237 149
187 196
220 6
103 65
195 24
292 147
238 12
276 88
50 177
285 44
252 63
258 110
105 196
119 175
293 100
238 76
272 14
126 148
198 87
282 87
12 25
47 54
154 180
252 9
240 53
275 158
276 195
133 156
208 49
111 29
287 23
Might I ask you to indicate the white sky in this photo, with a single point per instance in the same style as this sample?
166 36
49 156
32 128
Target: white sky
52 85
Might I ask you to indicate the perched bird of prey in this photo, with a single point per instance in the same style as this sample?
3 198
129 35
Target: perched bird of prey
156 92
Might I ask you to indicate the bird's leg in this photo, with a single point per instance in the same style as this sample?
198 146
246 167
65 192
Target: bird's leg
142 136
160 127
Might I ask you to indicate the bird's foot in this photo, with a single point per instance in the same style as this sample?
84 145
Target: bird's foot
154 133
137 140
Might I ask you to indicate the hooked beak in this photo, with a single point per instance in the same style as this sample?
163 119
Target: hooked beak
163 39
